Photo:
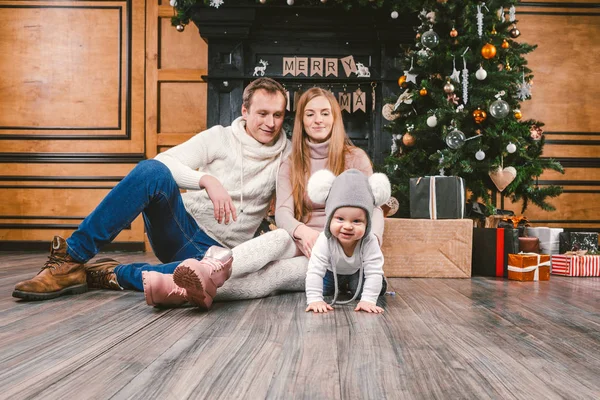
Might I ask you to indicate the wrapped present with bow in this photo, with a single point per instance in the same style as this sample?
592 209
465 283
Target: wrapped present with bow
529 267
548 237
437 197
491 247
576 263
568 241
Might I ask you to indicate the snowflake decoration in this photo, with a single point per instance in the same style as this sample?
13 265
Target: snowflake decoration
512 11
524 91
216 3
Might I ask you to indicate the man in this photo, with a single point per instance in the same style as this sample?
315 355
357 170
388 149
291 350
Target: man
229 174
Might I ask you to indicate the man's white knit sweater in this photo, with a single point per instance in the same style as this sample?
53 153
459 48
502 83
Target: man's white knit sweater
246 168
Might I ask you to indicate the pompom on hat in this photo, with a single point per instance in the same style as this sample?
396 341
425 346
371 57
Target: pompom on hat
351 188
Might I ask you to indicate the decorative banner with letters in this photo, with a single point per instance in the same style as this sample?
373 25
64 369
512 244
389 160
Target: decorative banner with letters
350 102
324 67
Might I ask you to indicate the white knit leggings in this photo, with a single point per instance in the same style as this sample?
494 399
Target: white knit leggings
263 266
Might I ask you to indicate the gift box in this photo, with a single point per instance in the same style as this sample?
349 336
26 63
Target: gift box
568 241
423 248
575 265
529 245
548 237
437 197
491 247
529 267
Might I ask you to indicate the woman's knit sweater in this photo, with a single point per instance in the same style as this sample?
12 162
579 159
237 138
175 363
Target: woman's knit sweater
284 214
246 168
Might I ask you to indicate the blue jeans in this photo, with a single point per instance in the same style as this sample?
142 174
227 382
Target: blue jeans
346 283
151 190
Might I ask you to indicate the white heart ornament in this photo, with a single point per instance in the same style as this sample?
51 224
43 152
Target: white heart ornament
503 177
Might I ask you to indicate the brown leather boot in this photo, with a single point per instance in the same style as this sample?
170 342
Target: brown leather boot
101 274
59 276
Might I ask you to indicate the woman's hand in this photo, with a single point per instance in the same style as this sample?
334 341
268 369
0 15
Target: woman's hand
368 307
307 238
319 307
222 203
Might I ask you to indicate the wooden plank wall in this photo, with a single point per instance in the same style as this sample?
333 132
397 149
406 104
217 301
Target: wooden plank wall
71 115
80 107
565 98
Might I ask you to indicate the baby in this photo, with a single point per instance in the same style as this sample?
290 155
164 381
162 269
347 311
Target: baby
346 252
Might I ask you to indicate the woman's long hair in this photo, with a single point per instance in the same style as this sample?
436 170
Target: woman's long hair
339 146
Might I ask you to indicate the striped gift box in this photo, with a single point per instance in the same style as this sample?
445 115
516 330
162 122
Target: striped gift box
572 265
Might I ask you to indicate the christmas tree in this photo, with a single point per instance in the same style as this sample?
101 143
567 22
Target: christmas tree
458 109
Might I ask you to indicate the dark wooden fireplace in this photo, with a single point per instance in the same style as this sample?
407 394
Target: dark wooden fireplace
303 47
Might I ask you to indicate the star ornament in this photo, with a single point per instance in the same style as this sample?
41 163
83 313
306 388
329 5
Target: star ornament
410 77
455 75
524 91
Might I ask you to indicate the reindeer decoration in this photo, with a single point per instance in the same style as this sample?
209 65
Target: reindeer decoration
260 70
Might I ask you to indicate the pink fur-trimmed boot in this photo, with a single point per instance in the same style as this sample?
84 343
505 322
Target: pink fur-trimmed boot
201 279
160 290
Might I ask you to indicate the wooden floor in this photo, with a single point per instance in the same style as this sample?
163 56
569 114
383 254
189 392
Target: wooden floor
438 339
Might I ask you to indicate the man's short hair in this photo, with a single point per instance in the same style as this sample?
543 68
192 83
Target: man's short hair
269 85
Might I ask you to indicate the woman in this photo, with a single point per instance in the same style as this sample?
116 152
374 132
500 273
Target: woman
274 261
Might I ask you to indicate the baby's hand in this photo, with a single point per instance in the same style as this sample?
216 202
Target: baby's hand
319 307
368 307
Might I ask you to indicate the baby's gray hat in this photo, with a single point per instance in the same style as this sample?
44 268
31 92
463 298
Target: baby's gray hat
351 188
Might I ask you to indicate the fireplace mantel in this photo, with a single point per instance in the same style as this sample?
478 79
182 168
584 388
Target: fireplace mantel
241 33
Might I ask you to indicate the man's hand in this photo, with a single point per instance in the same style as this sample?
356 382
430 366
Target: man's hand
222 203
307 237
319 307
368 307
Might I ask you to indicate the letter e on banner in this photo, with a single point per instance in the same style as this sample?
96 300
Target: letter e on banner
301 66
316 66
348 64
344 100
331 67
359 101
289 66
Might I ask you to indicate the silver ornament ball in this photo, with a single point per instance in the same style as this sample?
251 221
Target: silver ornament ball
455 139
290 2
180 28
430 39
449 87
499 109
480 155
511 148
394 14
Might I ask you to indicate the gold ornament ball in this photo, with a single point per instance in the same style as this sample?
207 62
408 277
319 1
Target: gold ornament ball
479 115
505 44
493 31
453 33
408 139
423 92
488 51
449 87
518 114
402 80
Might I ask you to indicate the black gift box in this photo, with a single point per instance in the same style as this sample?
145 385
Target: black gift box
568 241
491 247
437 197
